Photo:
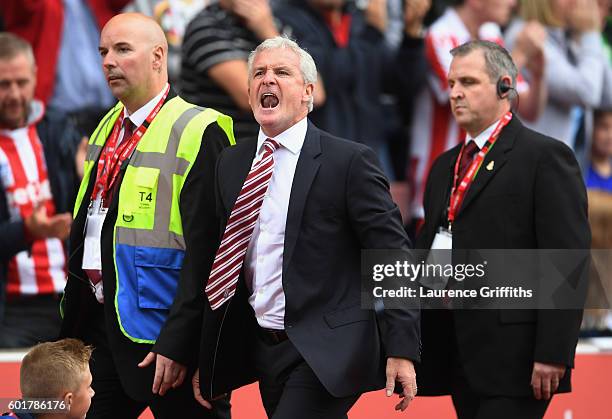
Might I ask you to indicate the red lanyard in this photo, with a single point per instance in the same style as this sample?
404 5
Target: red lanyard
458 191
110 162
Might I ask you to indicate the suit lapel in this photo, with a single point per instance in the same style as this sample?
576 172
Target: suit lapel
493 162
440 214
305 172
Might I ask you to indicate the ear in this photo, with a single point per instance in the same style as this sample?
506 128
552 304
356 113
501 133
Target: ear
158 58
68 397
308 90
504 86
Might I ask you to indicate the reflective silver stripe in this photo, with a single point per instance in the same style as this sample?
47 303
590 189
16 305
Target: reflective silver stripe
167 166
152 159
93 151
149 238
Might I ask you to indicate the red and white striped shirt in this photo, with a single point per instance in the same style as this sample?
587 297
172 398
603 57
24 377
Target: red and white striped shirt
434 129
23 173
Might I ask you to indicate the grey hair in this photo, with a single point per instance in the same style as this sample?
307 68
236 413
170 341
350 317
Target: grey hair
498 61
308 67
12 45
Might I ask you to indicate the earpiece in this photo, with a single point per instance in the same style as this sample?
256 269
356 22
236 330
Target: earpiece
502 88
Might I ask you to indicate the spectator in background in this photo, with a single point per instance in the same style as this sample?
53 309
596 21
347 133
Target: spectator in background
349 48
433 129
574 52
215 49
173 17
597 319
64 35
407 74
58 371
600 171
605 9
38 184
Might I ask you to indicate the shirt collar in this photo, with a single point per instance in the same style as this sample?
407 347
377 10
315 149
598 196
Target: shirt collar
481 139
292 138
141 114
37 111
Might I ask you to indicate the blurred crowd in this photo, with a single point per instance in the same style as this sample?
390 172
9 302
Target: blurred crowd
382 81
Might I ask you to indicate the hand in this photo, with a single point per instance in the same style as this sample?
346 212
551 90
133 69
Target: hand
168 373
79 157
414 13
40 226
536 65
529 48
585 17
402 371
545 379
376 14
257 16
195 384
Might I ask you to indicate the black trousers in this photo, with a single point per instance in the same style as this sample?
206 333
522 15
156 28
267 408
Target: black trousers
29 320
472 405
288 386
110 400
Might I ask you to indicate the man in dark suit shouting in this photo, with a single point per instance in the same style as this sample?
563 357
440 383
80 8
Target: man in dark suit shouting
505 187
282 274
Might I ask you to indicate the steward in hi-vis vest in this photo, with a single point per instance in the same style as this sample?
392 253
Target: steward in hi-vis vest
150 163
141 240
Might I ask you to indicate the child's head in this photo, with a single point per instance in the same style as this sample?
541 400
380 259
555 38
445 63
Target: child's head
602 133
59 370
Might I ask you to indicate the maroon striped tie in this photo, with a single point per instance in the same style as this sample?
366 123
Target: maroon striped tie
225 271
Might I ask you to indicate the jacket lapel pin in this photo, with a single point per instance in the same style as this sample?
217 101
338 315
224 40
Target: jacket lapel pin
490 165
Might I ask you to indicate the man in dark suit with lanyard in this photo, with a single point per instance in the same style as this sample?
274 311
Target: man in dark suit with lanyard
282 301
505 187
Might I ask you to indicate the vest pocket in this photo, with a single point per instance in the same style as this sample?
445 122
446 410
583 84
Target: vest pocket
157 272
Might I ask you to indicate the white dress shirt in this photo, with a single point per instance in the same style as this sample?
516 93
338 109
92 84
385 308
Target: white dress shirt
92 258
263 262
141 114
482 138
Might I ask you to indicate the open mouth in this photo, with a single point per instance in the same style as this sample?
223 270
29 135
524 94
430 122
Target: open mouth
113 78
269 101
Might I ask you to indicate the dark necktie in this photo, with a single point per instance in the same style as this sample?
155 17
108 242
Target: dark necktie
466 158
128 129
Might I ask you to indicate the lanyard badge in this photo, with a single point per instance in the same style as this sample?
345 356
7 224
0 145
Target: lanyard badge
460 187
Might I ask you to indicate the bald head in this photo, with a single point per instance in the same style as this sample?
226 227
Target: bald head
142 28
134 54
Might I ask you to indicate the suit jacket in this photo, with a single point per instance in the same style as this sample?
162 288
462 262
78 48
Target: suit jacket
96 323
339 204
533 198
